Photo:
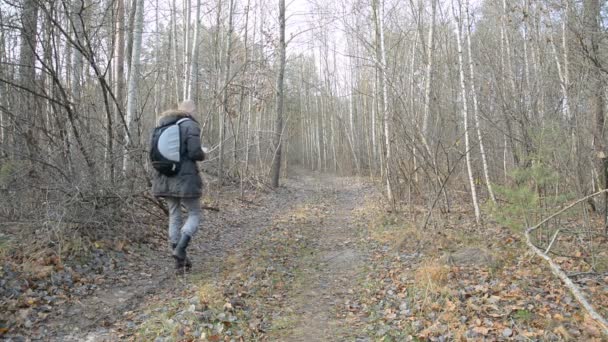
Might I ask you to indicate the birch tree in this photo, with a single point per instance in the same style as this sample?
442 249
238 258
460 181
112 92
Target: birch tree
131 138
472 84
429 72
465 115
191 91
378 9
278 128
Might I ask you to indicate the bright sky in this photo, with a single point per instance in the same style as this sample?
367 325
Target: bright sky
306 19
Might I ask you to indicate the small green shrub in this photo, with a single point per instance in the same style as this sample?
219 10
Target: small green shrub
525 202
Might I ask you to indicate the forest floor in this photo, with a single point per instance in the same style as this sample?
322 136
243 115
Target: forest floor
320 259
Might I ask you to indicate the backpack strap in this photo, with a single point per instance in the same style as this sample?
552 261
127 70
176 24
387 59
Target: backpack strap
182 120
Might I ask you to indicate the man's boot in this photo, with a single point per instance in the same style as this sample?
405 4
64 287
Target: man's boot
179 253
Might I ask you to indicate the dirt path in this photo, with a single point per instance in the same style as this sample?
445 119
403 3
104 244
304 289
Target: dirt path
151 274
317 260
333 269
327 267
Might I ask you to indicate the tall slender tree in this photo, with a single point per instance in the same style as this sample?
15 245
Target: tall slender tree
131 136
278 133
465 110
472 84
25 140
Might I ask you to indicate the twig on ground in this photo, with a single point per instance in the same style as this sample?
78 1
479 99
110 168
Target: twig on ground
552 241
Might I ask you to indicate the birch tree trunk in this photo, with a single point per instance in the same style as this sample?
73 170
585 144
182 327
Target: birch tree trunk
566 73
525 38
429 73
465 116
118 65
186 62
276 161
132 94
385 109
476 107
563 69
177 80
382 75
378 13
191 92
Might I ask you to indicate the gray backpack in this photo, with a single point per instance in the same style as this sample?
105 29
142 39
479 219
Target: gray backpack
166 149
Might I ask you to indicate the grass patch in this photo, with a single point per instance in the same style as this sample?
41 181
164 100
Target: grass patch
284 323
431 275
392 231
523 315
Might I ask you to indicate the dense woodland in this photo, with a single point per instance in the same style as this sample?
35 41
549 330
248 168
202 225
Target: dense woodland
491 108
496 102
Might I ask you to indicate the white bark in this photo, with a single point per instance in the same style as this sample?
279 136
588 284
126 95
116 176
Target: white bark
174 49
187 66
566 62
132 99
193 68
385 110
563 71
528 87
465 116
157 87
476 107
412 97
429 72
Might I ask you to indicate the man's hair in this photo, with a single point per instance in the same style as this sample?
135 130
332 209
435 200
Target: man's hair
187 106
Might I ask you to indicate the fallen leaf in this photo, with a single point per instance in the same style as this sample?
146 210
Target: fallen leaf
214 338
562 332
481 330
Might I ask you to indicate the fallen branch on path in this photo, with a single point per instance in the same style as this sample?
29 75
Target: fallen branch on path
249 202
576 292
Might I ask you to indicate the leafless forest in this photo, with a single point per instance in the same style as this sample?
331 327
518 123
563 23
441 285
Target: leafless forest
491 108
429 98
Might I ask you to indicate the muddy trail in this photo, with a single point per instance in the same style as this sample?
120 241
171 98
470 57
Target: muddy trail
277 266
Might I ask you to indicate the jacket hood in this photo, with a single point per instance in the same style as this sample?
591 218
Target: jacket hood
172 116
